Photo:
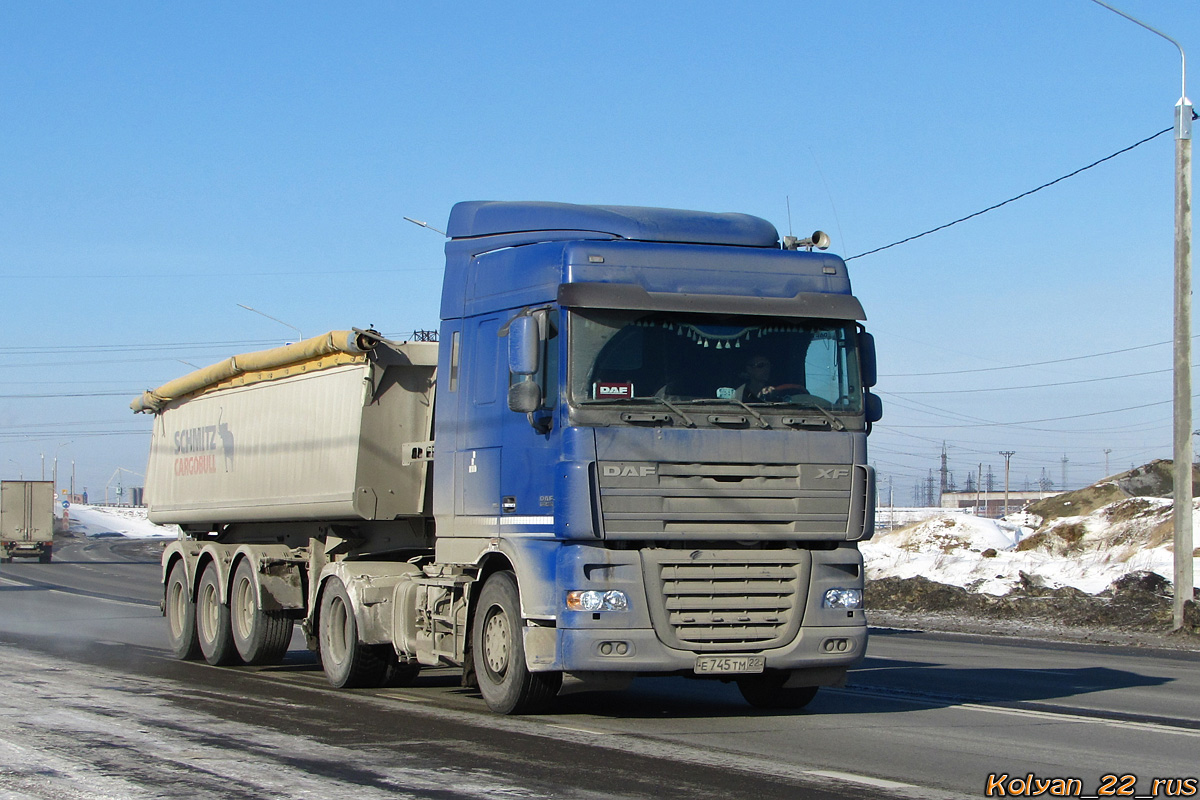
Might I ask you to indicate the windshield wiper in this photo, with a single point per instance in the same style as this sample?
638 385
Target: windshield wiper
762 423
686 419
661 401
834 422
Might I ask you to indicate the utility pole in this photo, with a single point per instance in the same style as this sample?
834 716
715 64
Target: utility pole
945 470
1182 401
1107 450
1007 455
978 487
1064 466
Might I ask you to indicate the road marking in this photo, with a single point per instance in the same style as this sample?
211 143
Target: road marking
1035 713
581 730
392 694
850 777
1059 716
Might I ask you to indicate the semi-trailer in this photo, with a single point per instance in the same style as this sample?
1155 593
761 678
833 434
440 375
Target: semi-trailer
639 447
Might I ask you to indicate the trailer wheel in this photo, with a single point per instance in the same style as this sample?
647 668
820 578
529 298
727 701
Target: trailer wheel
180 612
507 685
348 663
261 637
212 622
45 556
766 691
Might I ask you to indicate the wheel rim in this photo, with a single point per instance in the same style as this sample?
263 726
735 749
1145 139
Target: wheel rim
244 608
339 631
176 608
208 612
496 642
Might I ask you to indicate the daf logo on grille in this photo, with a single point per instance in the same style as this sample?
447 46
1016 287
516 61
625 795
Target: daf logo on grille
629 470
832 473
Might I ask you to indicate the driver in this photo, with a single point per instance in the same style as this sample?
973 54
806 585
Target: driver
757 385
756 379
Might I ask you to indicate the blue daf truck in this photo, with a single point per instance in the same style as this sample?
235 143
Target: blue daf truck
639 447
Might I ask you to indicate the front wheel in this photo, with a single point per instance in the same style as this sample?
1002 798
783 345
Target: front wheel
507 685
348 663
261 637
767 691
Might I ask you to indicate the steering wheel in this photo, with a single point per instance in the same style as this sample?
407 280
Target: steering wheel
782 390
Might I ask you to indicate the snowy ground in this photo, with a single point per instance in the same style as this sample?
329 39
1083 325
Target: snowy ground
116 521
986 555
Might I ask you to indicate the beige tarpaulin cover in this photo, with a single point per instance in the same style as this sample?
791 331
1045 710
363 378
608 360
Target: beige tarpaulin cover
350 343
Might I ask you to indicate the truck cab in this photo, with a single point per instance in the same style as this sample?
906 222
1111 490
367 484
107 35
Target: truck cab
653 423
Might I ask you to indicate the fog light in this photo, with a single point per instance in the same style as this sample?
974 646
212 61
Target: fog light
597 600
849 599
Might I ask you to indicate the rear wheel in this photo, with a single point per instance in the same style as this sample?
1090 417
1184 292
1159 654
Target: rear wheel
180 612
767 691
507 685
261 637
348 663
212 621
45 556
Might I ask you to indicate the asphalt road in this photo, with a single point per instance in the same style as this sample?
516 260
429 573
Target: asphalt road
92 705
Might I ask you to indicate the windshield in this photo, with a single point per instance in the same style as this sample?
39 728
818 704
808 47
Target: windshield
620 356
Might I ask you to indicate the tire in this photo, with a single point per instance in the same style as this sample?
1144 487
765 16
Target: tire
45 557
180 611
261 637
212 621
507 685
348 663
766 691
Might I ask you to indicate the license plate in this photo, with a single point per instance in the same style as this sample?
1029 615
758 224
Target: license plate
726 665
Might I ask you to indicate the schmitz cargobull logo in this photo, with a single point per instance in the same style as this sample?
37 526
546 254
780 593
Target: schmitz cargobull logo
196 449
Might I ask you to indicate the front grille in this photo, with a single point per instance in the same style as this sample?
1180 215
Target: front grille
731 502
727 600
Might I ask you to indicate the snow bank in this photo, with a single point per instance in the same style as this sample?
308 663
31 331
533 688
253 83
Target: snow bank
117 521
986 555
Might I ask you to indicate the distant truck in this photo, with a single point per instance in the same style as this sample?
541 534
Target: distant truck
651 459
26 520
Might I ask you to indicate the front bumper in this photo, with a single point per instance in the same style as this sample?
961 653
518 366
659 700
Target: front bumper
639 650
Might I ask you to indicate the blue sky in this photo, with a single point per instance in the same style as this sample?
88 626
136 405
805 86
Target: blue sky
164 162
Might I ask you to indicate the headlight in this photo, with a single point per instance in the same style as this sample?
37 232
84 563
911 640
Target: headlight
848 599
597 600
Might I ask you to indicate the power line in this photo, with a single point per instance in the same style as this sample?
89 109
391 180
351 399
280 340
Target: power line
1030 364
1047 419
140 347
1018 197
1037 385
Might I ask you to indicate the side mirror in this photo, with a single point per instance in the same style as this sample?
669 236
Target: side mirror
523 346
873 407
866 359
525 396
